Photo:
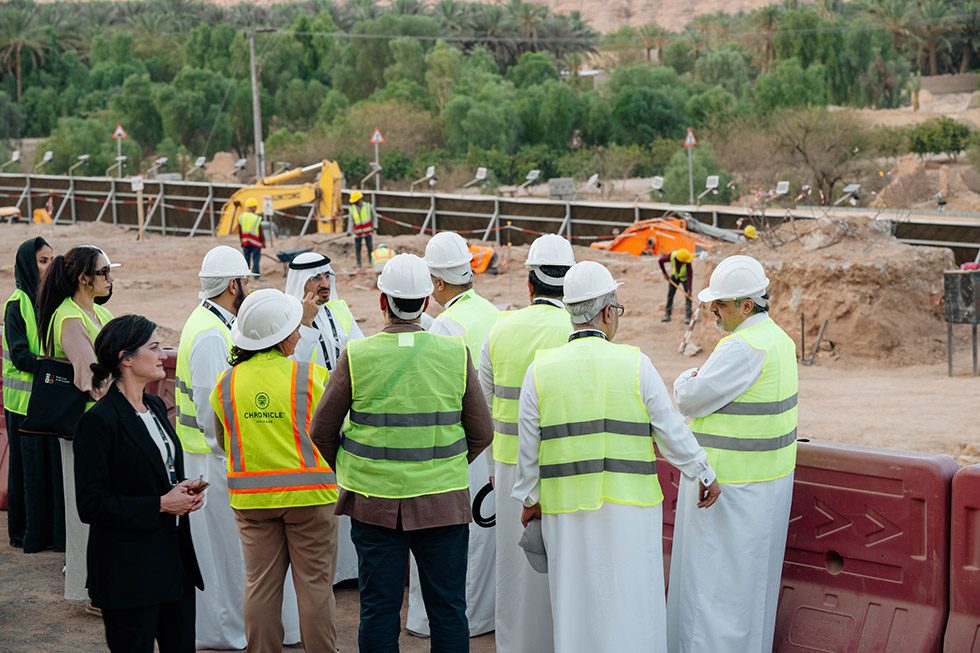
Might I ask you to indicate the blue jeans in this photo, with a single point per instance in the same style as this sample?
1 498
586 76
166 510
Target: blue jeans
382 561
253 255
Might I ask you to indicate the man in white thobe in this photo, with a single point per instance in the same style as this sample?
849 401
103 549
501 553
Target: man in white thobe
586 467
205 338
726 567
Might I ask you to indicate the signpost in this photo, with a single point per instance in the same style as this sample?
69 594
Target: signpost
137 186
377 138
690 142
119 134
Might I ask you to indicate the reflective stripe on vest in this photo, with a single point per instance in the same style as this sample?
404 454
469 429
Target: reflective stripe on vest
250 225
513 343
404 438
17 383
753 438
677 270
361 217
191 436
268 465
596 437
476 316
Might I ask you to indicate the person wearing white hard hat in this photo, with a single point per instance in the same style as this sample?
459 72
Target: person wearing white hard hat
417 417
282 490
523 607
725 569
588 416
465 313
202 354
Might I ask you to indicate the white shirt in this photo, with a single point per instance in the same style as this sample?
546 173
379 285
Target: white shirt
732 368
159 437
208 359
674 439
308 349
444 326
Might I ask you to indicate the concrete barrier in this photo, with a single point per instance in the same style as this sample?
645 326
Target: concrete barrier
963 627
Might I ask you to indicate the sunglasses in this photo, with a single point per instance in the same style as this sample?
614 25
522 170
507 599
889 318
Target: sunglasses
103 272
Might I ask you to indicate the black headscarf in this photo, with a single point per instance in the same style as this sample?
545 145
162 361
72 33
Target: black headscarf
25 268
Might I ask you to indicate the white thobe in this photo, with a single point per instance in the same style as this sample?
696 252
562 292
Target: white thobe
726 562
220 622
523 601
605 567
482 543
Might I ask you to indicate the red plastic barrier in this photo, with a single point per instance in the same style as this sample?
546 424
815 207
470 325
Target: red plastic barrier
963 628
165 388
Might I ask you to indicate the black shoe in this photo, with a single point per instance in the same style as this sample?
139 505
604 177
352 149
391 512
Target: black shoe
687 320
666 318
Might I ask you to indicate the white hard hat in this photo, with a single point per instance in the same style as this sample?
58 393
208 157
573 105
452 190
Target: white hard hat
266 318
587 280
736 276
549 249
405 276
449 258
224 262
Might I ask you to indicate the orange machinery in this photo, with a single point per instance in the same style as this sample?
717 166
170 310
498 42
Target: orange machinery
657 236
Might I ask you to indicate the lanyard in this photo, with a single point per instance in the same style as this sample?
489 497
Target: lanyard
171 468
587 333
336 341
214 310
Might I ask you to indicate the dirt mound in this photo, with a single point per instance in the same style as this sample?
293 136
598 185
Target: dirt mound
882 299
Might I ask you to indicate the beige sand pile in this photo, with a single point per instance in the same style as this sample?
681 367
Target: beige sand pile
882 298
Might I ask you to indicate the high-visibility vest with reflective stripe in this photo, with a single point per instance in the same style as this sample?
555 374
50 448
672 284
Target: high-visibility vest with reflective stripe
68 310
678 269
16 382
362 218
265 405
753 438
200 320
404 437
596 437
475 315
513 343
341 311
250 225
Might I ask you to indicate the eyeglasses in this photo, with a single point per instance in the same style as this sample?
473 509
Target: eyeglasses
103 272
620 309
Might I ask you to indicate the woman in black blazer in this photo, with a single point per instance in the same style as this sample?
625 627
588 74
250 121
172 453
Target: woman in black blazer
129 482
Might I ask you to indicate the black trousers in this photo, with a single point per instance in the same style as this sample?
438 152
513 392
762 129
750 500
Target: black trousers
672 290
382 558
133 630
37 500
368 240
16 512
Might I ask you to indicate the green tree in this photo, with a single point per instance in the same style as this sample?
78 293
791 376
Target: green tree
191 110
443 65
531 69
714 107
676 181
641 114
93 136
941 135
724 66
131 108
297 102
789 85
22 40
679 55
11 122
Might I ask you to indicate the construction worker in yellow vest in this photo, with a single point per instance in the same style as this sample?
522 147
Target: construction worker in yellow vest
523 615
282 490
417 417
379 256
362 224
588 416
726 567
681 276
250 234
465 313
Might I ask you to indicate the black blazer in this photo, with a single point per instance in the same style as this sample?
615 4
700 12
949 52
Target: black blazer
137 555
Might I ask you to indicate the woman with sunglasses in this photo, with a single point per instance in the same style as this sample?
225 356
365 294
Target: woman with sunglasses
69 317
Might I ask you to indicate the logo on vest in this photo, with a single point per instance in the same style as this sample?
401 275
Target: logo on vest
262 401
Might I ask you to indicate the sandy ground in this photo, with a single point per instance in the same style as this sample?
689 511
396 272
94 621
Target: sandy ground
853 400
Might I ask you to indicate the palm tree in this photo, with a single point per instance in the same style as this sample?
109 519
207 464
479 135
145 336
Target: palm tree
932 27
766 20
968 35
454 16
653 37
893 15
494 30
21 37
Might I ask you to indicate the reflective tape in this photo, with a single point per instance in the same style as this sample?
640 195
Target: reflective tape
406 419
17 384
413 454
183 387
758 407
190 421
228 408
301 411
505 428
729 443
596 466
6 356
591 427
506 391
281 481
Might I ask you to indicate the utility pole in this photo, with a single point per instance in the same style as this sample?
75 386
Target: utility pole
256 111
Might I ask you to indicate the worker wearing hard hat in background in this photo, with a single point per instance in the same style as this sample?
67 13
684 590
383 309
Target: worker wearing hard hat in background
750 232
205 343
725 570
328 324
379 256
681 275
282 491
523 615
250 233
417 415
586 467
362 224
464 314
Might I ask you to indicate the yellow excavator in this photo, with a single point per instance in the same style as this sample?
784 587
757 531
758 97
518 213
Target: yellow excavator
324 193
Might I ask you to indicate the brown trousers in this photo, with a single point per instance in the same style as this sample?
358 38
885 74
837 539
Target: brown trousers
272 539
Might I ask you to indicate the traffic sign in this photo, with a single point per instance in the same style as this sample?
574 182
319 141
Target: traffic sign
690 140
377 138
119 133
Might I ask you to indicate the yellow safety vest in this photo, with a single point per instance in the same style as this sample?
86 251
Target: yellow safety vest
596 437
17 383
753 438
67 310
678 270
200 320
362 218
513 343
265 405
405 438
475 315
250 225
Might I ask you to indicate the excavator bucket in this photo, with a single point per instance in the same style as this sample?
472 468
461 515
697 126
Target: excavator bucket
655 237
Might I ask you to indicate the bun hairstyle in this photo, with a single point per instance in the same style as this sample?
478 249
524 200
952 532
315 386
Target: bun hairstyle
120 338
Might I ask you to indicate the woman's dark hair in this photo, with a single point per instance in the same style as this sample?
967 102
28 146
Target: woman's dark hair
239 355
60 282
119 338
542 289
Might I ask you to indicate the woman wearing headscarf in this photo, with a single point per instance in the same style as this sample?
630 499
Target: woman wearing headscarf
69 318
35 509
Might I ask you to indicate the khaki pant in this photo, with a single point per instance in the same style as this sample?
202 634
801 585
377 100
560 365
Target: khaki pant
273 539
